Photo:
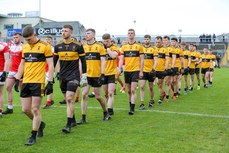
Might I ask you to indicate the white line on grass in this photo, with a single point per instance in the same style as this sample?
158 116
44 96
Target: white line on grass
158 111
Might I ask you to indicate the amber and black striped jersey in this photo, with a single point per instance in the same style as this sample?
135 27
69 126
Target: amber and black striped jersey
69 53
111 67
171 52
149 54
161 60
193 56
198 55
35 61
206 61
93 54
186 57
178 52
132 54
213 58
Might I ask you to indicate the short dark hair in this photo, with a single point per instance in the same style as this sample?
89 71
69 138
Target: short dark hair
174 39
68 26
28 31
132 30
106 36
159 37
17 33
90 29
166 37
147 36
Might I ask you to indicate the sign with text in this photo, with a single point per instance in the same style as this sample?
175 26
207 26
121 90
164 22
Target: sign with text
10 32
48 31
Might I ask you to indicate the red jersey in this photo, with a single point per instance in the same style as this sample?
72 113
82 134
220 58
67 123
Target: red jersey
3 49
16 55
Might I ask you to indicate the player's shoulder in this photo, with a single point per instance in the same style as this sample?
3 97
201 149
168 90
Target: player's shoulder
99 43
59 43
43 43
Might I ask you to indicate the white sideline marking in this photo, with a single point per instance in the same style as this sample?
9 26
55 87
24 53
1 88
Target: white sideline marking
157 111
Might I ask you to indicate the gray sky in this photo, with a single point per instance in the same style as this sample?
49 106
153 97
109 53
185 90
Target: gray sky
193 17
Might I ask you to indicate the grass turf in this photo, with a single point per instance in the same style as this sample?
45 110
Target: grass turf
194 123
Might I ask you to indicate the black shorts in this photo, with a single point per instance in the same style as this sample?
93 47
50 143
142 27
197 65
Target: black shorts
146 76
32 89
109 79
192 71
197 70
69 85
131 77
176 71
160 74
204 70
93 81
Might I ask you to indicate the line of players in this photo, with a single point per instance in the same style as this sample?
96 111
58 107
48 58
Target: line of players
164 62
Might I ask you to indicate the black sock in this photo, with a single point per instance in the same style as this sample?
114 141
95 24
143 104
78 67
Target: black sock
185 89
110 109
105 113
167 96
84 117
34 134
69 121
198 84
130 104
132 107
73 118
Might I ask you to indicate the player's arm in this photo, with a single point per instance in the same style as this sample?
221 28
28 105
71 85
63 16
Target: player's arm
121 58
141 62
182 61
155 62
103 64
189 61
7 62
112 54
20 69
49 61
166 62
83 64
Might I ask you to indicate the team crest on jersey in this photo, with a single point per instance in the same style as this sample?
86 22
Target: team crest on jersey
73 48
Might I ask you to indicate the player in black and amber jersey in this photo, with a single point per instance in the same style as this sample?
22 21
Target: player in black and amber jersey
186 60
197 66
191 64
205 60
35 54
150 64
133 55
177 66
110 71
162 66
69 51
168 78
95 59
213 59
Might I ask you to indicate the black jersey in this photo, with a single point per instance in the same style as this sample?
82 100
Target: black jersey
68 54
